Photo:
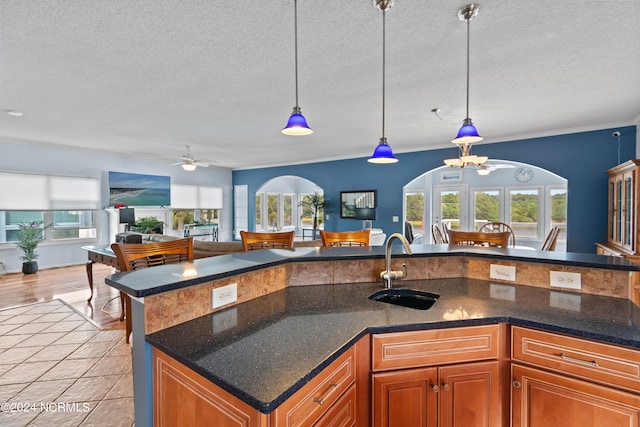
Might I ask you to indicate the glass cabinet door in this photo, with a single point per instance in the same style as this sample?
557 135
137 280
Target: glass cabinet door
627 213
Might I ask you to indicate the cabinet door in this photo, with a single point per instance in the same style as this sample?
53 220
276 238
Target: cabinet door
405 398
628 211
469 395
539 398
181 397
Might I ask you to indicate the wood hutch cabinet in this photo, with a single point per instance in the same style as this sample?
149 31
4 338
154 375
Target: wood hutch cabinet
623 231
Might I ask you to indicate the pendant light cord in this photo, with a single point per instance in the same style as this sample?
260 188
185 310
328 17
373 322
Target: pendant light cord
383 66
295 38
468 50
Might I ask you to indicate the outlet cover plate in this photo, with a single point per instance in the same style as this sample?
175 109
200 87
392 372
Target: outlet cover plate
563 279
224 295
502 272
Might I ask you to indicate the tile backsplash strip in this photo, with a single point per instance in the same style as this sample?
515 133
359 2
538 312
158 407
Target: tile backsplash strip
171 308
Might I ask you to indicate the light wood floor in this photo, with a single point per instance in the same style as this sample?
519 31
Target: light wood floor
71 286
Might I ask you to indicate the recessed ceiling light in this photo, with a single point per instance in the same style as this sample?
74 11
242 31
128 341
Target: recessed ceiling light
14 113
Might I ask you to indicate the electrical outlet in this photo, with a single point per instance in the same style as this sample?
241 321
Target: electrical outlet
224 295
562 279
502 272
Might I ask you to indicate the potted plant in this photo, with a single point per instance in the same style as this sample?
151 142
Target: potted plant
315 203
28 238
148 225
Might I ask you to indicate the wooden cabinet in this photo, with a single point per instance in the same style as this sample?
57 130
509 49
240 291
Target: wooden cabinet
590 383
623 233
541 398
434 378
309 404
183 397
446 396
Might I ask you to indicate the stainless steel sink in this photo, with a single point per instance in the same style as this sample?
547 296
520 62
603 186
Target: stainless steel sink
406 297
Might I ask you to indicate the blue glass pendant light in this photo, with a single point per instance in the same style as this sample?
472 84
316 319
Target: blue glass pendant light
468 134
297 124
383 153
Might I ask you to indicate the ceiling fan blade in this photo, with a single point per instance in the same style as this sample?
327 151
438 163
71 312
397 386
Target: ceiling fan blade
202 164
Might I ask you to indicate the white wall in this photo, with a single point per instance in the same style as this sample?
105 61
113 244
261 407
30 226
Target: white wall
17 156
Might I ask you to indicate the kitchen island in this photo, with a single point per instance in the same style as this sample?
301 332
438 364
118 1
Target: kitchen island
283 333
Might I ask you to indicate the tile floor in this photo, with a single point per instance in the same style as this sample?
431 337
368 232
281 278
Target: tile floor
58 369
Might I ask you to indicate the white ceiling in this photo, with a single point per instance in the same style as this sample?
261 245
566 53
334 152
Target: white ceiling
146 77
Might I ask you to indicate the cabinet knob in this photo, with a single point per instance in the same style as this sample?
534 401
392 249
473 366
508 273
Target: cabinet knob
435 388
445 387
517 384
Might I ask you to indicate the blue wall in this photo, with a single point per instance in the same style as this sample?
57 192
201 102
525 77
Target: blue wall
582 158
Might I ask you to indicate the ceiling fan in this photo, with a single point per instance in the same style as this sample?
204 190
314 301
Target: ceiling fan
189 163
487 168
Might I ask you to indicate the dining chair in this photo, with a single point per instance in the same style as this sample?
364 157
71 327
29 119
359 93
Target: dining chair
345 238
496 227
444 228
252 241
436 233
477 238
134 256
550 241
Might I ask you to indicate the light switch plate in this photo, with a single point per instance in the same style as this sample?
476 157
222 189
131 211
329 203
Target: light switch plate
562 279
502 272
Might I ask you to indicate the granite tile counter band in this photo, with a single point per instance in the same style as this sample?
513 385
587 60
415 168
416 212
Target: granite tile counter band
278 341
176 276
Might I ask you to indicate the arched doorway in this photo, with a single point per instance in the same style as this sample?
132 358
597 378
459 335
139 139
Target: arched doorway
528 198
284 203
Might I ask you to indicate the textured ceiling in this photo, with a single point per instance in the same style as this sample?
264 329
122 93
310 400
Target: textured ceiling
146 77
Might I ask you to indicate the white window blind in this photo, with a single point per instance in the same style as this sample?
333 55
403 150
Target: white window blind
195 197
22 191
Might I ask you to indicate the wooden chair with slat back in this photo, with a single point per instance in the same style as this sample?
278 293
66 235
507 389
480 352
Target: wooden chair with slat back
135 256
476 238
345 238
279 240
497 227
550 242
437 235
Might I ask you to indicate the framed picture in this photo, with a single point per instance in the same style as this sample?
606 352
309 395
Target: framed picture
351 201
451 176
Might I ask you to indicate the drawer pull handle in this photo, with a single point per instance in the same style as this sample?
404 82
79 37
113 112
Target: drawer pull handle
320 401
593 363
445 387
517 384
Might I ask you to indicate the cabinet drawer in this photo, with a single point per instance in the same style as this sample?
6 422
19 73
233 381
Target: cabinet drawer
434 347
314 399
605 363
342 413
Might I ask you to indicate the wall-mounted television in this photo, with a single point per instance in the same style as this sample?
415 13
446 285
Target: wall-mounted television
132 189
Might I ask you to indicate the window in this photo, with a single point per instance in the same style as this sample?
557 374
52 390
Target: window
414 209
524 206
287 210
73 225
182 217
259 225
558 204
487 207
273 212
65 225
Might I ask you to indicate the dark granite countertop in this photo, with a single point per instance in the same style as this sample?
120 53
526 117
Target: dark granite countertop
176 276
265 349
